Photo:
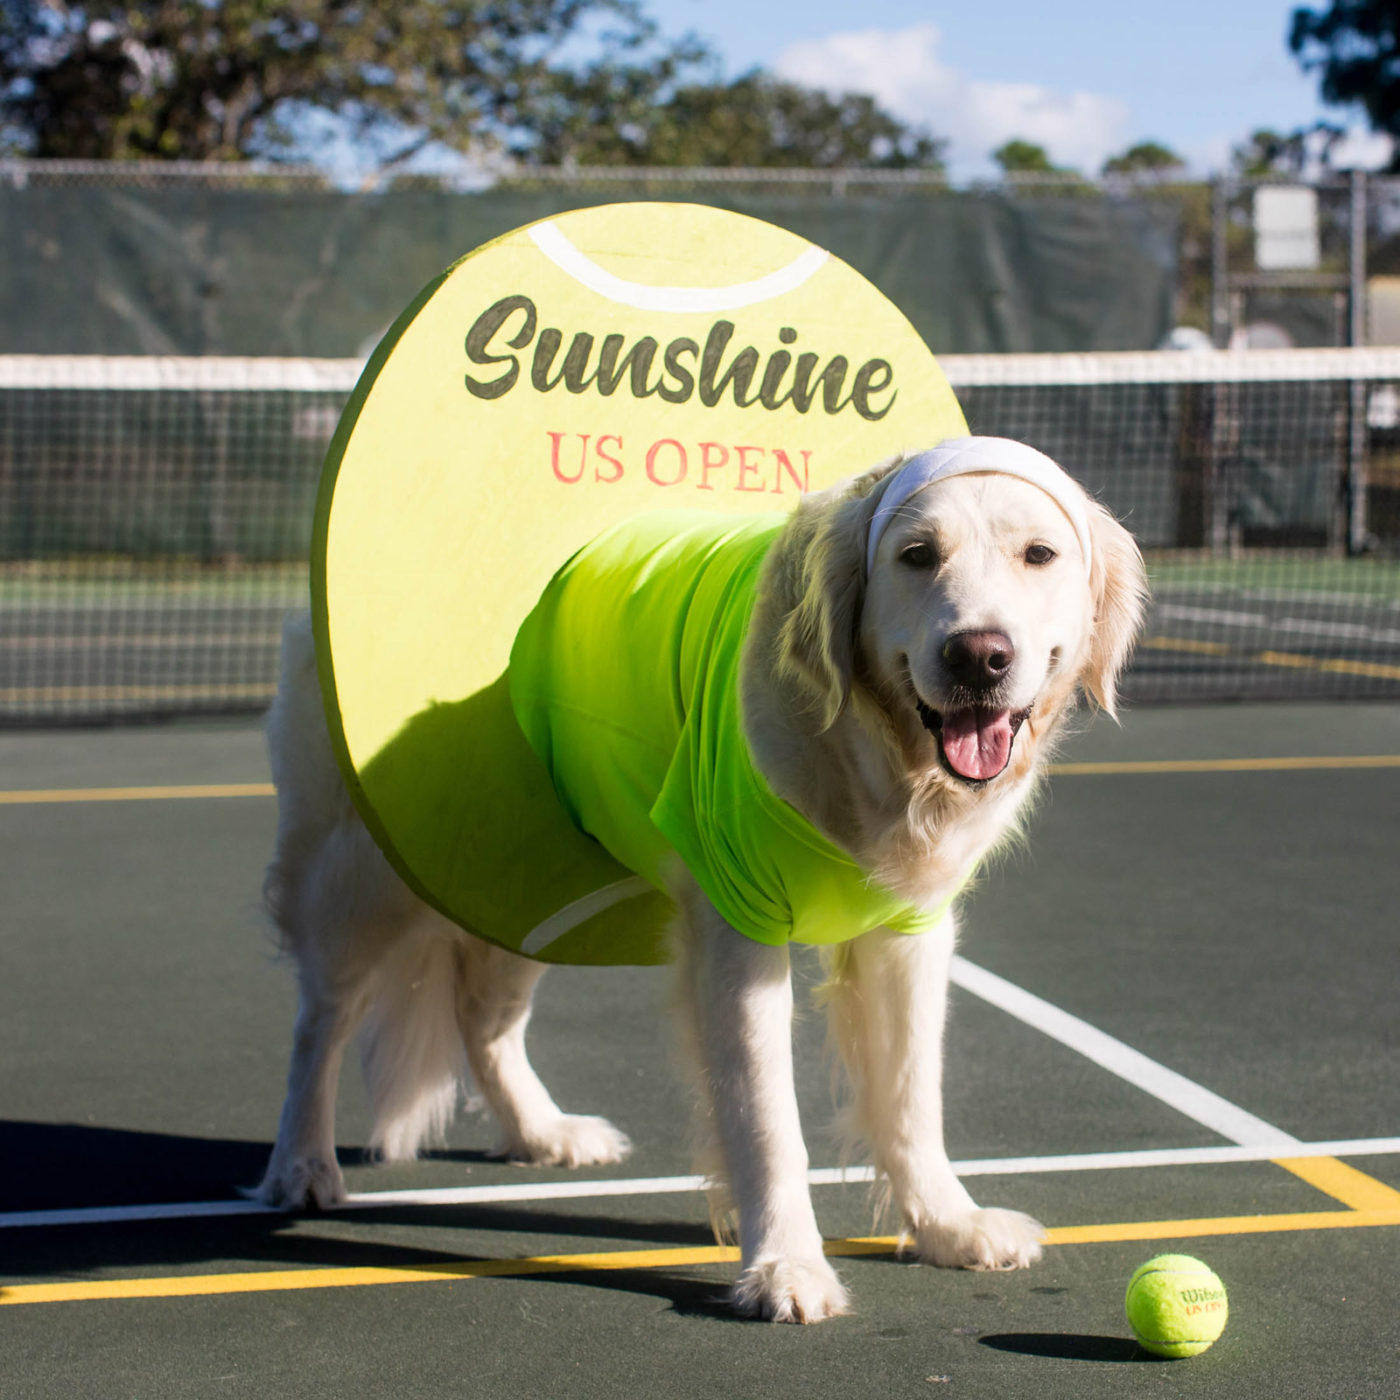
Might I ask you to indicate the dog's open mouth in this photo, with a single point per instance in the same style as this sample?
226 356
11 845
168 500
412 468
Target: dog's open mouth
974 743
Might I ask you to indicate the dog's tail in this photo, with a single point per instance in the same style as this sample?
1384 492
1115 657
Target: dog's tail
312 801
411 1049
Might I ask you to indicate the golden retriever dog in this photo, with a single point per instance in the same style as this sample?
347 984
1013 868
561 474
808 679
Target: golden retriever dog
919 635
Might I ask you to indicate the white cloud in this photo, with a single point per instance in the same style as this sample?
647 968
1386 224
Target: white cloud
1364 150
904 70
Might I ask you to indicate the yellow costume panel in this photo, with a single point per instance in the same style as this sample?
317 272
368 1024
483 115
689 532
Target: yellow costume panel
565 378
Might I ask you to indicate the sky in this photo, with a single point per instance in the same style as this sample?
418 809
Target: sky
1083 78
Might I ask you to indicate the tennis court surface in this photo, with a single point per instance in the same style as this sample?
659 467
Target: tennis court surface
1174 1029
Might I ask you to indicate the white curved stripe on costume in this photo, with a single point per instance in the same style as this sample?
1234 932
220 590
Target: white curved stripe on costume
557 248
572 915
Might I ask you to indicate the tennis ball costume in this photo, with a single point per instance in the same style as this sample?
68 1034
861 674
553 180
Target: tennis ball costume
625 681
571 376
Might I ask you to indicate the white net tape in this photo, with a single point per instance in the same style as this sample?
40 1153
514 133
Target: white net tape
155 515
245 374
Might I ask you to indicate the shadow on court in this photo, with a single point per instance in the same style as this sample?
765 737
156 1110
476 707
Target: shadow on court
136 1167
1069 1347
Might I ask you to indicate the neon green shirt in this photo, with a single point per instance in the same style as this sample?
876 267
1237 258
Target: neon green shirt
625 682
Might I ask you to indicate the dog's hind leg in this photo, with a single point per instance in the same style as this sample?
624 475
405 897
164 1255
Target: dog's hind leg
887 998
303 1167
494 993
394 975
329 892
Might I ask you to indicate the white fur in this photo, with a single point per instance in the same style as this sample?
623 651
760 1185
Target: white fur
835 666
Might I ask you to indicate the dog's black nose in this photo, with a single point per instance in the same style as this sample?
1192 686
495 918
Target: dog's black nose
978 660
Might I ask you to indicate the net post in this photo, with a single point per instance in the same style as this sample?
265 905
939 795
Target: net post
1214 402
1219 262
1355 493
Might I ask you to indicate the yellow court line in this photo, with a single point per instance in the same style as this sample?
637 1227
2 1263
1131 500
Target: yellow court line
1376 670
1224 1225
134 794
1343 1183
36 796
60 694
1187 644
282 1280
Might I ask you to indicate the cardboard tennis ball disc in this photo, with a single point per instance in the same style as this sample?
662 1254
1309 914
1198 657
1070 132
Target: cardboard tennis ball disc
1176 1305
559 380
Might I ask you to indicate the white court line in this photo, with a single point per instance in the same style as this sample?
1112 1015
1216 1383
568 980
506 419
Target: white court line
682 1185
1387 636
1304 595
1277 595
1253 1138
1226 617
1173 1089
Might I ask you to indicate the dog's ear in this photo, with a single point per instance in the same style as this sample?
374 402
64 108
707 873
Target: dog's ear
820 582
1118 582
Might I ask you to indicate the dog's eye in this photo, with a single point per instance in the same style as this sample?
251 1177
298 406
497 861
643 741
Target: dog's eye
919 555
1039 554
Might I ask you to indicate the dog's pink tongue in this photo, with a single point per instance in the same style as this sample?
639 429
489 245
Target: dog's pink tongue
977 743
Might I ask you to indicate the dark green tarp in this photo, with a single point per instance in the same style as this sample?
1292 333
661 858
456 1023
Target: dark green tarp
201 270
185 269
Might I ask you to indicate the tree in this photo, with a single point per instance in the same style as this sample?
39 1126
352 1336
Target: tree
235 79
1355 46
1291 155
1018 157
755 120
1145 158
1268 152
232 79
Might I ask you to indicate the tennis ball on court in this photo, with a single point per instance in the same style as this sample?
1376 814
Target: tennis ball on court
1176 1305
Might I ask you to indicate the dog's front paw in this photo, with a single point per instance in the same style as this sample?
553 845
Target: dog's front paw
299 1182
790 1290
981 1239
570 1140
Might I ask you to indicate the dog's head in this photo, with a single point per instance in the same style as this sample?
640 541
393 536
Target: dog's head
964 603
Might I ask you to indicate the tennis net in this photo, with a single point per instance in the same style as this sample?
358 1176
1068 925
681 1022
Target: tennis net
155 517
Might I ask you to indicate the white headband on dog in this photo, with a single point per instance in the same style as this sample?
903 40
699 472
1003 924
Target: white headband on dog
959 457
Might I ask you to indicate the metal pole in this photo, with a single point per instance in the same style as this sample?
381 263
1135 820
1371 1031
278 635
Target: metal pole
1356 337
1219 268
1215 513
1357 259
